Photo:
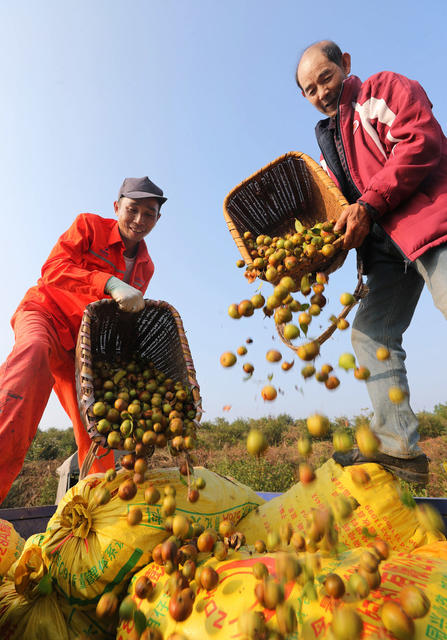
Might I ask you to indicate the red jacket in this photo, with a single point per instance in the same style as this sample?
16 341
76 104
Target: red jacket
76 272
396 154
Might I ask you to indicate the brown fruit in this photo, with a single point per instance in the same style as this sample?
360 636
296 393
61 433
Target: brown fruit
369 561
209 578
127 490
373 579
245 308
181 604
297 541
206 541
305 473
193 495
143 588
334 585
359 476
273 355
414 601
134 516
260 546
396 621
248 368
381 548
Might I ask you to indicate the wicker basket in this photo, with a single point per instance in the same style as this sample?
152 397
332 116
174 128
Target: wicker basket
155 334
268 202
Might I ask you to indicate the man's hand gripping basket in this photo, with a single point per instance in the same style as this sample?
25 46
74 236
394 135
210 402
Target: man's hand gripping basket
154 336
292 187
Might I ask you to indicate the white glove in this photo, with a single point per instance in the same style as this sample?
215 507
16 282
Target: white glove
127 297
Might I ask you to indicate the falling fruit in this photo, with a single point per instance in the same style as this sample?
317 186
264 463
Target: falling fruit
361 373
396 621
269 393
241 351
382 353
367 440
291 332
347 298
273 355
346 361
248 368
285 366
317 425
396 395
256 442
227 359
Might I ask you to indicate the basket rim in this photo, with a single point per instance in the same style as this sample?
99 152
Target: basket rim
294 154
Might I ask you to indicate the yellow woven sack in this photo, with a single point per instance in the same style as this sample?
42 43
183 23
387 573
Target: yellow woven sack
11 546
216 613
381 511
91 548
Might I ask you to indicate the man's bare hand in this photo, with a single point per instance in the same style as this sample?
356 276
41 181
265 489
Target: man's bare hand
356 223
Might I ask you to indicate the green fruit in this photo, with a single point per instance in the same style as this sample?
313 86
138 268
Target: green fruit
342 440
346 361
99 409
256 442
291 332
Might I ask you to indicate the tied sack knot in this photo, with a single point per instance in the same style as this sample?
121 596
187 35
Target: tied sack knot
76 516
29 572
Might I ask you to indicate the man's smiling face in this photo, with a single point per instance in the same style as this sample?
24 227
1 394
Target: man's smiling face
321 79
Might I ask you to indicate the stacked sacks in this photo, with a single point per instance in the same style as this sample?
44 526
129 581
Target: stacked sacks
90 548
31 608
376 507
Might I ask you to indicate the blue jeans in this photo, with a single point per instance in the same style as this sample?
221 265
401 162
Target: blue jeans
381 319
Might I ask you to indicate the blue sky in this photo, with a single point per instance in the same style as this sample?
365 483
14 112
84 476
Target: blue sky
197 95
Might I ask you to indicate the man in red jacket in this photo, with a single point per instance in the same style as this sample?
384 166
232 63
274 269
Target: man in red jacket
95 258
384 148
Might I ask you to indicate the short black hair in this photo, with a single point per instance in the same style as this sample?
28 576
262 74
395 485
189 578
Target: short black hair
330 49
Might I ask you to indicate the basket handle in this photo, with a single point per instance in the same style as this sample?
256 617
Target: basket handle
360 292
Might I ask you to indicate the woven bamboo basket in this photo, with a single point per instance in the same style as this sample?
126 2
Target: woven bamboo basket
291 187
155 334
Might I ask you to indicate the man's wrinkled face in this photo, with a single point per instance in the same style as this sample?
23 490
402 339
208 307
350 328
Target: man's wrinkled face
321 80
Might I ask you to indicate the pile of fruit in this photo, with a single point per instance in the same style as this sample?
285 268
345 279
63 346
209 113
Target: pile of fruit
136 404
273 257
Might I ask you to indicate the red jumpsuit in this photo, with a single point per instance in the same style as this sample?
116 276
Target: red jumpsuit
46 325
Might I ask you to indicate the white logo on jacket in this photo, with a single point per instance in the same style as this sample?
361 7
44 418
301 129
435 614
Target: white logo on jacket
376 109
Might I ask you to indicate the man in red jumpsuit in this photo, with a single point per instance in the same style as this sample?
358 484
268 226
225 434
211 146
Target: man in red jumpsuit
95 258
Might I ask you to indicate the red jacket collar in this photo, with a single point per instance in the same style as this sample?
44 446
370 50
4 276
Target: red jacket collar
350 90
115 238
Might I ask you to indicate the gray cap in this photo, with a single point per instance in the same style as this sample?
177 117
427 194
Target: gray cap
140 188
